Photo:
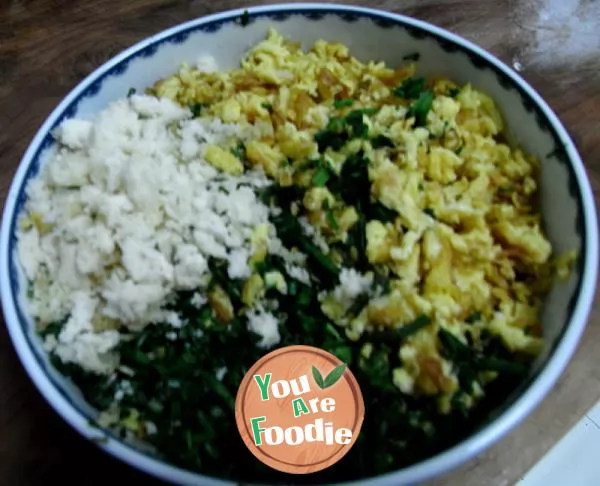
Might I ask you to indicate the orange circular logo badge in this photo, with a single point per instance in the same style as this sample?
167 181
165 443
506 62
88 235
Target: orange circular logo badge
299 409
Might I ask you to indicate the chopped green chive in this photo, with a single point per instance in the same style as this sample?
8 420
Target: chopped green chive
415 56
429 212
474 317
453 92
239 151
320 177
343 103
411 88
331 219
381 141
196 109
420 108
414 327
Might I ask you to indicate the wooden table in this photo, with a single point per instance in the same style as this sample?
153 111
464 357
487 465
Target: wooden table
47 46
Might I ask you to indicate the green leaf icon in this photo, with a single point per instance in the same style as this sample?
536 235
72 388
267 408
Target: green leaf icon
318 378
333 377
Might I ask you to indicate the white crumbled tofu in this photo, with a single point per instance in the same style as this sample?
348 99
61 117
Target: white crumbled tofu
238 264
74 133
265 325
207 64
127 214
190 266
66 171
352 284
198 300
403 380
30 253
313 234
92 351
77 340
299 273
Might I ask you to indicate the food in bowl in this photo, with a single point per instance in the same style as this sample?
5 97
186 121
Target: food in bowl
303 198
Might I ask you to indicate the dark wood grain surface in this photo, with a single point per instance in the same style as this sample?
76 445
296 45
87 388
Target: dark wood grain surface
48 46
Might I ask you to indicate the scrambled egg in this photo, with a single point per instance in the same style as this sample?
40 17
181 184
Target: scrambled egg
465 228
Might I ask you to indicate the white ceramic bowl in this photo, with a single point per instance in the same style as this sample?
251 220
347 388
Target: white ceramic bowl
567 201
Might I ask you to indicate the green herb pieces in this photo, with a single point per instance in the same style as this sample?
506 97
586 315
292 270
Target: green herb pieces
469 361
457 403
343 103
381 141
382 213
131 92
410 89
461 356
239 151
355 187
559 152
304 297
220 277
331 219
245 18
474 317
292 235
333 332
454 347
376 369
329 214
340 130
381 283
333 135
196 109
500 366
414 327
398 334
420 108
320 177
453 92
325 262
341 351
429 212
222 391
52 329
358 305
356 123
415 56
358 239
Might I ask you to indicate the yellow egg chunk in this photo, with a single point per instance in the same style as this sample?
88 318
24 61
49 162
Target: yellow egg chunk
223 160
269 158
378 242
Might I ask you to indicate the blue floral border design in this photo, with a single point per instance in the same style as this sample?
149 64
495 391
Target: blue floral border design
313 15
